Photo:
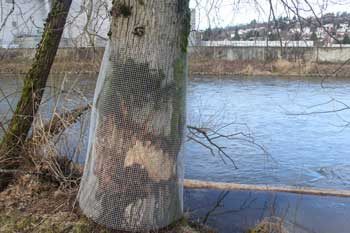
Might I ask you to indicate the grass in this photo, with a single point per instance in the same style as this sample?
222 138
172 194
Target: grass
282 68
33 204
197 65
17 221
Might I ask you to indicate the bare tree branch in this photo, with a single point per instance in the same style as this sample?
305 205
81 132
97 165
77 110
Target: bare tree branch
8 15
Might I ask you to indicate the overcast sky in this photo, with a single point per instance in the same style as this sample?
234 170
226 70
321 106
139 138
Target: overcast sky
232 12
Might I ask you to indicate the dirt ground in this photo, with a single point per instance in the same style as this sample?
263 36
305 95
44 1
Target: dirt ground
33 205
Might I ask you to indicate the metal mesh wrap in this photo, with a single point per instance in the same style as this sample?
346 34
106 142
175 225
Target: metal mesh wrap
133 172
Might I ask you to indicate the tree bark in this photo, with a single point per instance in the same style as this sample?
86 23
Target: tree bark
33 89
133 172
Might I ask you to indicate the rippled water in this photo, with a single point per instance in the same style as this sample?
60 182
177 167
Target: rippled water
308 150
304 143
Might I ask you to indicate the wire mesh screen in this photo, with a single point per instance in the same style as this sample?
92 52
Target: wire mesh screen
133 173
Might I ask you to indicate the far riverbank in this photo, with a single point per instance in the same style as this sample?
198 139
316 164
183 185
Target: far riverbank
278 68
88 60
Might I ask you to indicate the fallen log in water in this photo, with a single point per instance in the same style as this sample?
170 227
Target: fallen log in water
199 184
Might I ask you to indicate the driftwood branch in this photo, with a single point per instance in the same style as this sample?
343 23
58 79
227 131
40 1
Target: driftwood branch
199 184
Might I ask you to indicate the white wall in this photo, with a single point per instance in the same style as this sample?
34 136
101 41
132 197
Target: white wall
257 43
28 18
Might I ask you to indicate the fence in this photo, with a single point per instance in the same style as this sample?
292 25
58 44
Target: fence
285 44
300 44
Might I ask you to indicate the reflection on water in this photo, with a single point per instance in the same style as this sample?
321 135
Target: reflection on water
240 211
304 149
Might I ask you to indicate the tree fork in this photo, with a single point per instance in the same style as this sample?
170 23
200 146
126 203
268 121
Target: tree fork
33 89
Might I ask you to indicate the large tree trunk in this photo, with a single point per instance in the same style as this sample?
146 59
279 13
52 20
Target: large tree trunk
133 172
33 89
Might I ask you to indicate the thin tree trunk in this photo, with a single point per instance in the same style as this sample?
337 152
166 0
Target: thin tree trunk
133 172
33 89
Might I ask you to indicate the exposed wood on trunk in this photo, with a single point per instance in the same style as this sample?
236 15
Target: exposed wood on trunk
199 184
33 89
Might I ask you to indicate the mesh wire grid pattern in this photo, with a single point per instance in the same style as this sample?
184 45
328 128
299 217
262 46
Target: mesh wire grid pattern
133 173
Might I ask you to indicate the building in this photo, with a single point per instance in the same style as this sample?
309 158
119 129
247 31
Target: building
329 27
194 37
342 30
307 31
193 20
25 24
23 28
320 33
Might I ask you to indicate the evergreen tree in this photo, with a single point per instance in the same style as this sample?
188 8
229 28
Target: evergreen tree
346 39
314 37
253 22
273 36
207 34
236 36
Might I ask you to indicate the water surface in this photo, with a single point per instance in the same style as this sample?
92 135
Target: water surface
305 144
303 149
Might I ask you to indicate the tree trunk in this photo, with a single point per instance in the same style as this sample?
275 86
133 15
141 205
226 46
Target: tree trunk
133 172
33 89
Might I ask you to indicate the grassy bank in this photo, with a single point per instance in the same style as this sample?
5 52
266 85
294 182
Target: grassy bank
32 204
197 66
273 68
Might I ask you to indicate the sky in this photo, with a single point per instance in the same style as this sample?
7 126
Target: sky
221 13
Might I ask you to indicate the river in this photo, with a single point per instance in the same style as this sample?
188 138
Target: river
289 135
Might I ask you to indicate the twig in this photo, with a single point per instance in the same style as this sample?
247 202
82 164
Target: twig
8 15
60 122
204 133
218 204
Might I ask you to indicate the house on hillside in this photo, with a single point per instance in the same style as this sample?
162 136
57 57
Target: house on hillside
320 32
329 28
342 30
